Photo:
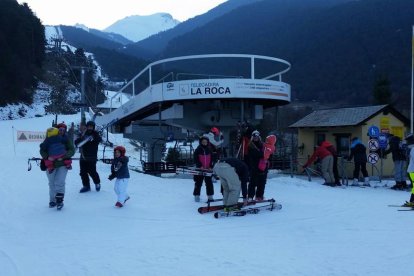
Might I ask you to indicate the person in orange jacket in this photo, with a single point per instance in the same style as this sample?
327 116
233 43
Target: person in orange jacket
326 158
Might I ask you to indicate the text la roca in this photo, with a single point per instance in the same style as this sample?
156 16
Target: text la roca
210 90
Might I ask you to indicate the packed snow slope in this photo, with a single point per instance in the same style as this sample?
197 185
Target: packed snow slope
319 231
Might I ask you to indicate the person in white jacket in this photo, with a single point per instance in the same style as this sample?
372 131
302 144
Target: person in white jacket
216 140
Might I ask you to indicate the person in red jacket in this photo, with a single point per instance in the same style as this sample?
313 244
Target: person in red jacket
332 149
326 158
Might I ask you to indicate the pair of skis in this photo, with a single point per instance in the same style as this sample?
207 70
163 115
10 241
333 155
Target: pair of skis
404 208
194 171
250 208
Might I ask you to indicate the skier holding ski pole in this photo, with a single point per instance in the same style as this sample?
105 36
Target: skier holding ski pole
88 143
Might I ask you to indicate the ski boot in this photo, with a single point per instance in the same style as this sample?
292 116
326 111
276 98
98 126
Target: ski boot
408 204
59 201
85 189
366 182
232 208
397 186
355 182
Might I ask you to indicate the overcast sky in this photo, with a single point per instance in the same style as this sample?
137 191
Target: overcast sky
100 14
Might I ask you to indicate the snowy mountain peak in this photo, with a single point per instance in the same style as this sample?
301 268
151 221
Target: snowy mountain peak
138 27
81 26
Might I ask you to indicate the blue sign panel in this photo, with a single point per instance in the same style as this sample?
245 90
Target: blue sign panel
382 140
373 131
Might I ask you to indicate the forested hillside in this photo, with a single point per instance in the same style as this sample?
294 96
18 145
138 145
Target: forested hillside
22 51
337 51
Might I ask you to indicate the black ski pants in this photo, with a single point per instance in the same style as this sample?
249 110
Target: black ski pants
198 182
257 184
360 166
88 168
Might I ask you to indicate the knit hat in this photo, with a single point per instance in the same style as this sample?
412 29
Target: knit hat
256 133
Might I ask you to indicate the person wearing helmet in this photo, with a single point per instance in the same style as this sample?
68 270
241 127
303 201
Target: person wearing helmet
359 154
88 143
216 140
203 161
55 146
57 150
120 171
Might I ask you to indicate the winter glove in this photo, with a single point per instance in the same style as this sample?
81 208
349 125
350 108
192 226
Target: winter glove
111 176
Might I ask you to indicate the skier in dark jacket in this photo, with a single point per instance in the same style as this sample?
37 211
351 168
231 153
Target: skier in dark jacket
257 176
399 157
358 152
204 161
89 157
234 175
120 171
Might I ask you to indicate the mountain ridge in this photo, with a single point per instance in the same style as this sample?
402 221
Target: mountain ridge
138 27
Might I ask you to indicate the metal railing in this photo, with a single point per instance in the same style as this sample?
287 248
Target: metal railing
252 58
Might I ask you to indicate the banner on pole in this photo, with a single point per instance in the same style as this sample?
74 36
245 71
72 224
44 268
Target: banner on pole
30 136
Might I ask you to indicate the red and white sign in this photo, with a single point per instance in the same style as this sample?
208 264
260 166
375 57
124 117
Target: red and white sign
373 158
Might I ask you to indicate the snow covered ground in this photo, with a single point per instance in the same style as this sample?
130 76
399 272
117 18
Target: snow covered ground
319 231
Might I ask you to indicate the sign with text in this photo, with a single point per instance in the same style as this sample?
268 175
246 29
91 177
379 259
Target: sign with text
30 136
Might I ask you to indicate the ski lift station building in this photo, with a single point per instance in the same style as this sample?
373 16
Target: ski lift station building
173 97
